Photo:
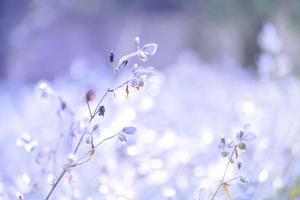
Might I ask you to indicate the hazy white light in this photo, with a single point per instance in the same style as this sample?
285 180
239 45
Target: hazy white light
76 194
103 189
50 179
168 140
264 143
169 192
149 136
132 150
263 175
207 136
125 116
198 171
156 163
181 156
147 103
26 179
248 107
157 177
277 183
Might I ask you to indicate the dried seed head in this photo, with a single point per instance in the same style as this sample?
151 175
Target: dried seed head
111 56
90 95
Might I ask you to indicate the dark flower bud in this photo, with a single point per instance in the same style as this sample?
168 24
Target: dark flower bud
239 165
111 57
223 140
101 111
124 63
63 105
90 95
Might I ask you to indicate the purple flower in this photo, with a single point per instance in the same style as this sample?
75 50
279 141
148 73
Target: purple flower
245 134
130 130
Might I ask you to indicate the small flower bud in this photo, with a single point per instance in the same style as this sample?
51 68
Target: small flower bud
124 63
63 105
101 111
111 56
90 95
239 165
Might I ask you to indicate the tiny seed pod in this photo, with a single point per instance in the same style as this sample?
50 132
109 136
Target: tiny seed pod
90 95
242 146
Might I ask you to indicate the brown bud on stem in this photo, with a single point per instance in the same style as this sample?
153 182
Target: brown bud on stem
90 95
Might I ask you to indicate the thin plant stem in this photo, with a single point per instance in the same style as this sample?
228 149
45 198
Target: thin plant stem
56 183
89 107
224 174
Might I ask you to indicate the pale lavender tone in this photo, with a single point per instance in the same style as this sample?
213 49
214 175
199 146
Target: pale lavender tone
172 127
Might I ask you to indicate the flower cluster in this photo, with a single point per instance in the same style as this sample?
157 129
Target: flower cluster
231 150
138 76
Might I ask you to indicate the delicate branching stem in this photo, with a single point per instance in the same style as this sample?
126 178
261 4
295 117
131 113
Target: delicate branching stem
92 116
224 174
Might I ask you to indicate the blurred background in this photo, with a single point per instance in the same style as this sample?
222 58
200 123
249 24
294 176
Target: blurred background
42 39
219 65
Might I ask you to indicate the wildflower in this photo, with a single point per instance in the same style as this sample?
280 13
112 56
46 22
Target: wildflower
130 130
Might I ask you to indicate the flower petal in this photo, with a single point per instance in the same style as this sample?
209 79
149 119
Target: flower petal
142 56
150 48
130 130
